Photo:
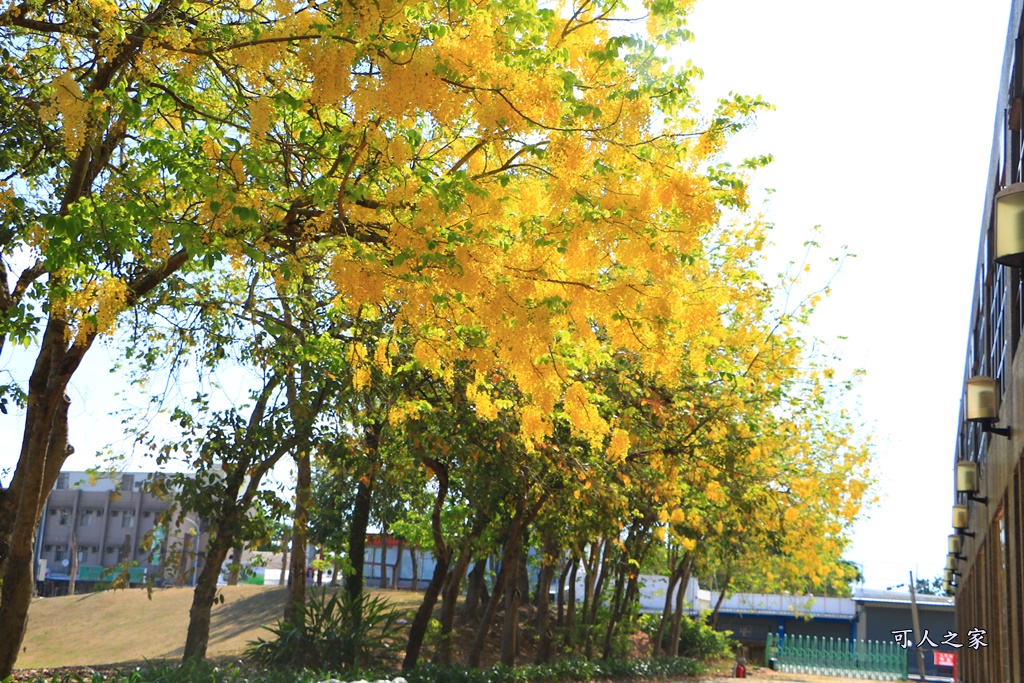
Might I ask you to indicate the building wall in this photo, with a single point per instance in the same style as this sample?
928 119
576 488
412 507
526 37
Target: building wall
750 629
882 619
110 517
821 628
990 590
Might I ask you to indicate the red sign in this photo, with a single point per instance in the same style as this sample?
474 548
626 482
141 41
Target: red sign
945 659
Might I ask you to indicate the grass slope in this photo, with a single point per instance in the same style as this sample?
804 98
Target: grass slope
125 626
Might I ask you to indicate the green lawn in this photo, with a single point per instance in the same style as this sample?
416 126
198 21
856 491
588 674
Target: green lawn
124 626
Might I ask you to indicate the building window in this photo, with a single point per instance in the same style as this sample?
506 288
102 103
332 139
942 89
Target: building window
63 480
59 553
127 482
87 518
83 556
128 519
63 513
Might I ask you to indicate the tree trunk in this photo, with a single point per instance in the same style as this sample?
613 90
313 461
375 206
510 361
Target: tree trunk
236 566
357 540
8 513
547 571
300 532
626 575
570 611
677 617
44 445
485 592
284 559
513 598
589 596
450 597
415 584
616 608
334 573
721 599
590 565
418 629
442 555
560 598
523 574
72 561
602 579
202 600
398 565
660 647
183 561
240 486
44 449
474 591
384 556
509 564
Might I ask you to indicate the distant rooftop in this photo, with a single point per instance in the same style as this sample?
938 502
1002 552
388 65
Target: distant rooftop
900 598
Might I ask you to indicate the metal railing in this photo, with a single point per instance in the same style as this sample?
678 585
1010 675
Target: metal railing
885 661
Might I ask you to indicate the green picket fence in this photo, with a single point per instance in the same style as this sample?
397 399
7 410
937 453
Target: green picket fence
885 661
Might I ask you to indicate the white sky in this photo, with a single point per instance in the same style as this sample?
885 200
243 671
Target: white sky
882 135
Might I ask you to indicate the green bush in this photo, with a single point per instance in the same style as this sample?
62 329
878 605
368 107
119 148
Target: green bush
336 634
697 639
568 670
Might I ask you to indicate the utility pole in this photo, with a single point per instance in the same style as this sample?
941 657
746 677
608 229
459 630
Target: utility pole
917 626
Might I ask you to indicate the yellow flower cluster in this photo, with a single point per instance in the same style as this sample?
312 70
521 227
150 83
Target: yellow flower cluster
68 103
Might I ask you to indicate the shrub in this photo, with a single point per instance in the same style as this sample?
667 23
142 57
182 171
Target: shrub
337 634
567 670
697 639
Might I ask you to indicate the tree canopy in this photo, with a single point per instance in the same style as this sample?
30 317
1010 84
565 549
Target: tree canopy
502 232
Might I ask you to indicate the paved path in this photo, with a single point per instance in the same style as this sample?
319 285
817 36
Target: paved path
768 676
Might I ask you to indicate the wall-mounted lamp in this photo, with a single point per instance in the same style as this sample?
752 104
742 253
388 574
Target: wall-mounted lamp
967 481
983 403
951 562
1010 226
955 545
960 520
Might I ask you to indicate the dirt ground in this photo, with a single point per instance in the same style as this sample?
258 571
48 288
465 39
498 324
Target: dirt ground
769 676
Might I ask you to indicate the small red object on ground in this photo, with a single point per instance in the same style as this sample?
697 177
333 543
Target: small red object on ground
740 671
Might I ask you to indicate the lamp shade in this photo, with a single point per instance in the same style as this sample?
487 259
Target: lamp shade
966 477
1010 226
950 562
948 587
955 544
948 575
982 399
959 516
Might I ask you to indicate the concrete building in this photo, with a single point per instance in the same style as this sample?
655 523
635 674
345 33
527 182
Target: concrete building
986 560
107 519
881 613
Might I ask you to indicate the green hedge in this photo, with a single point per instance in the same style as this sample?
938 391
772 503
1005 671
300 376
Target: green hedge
560 671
